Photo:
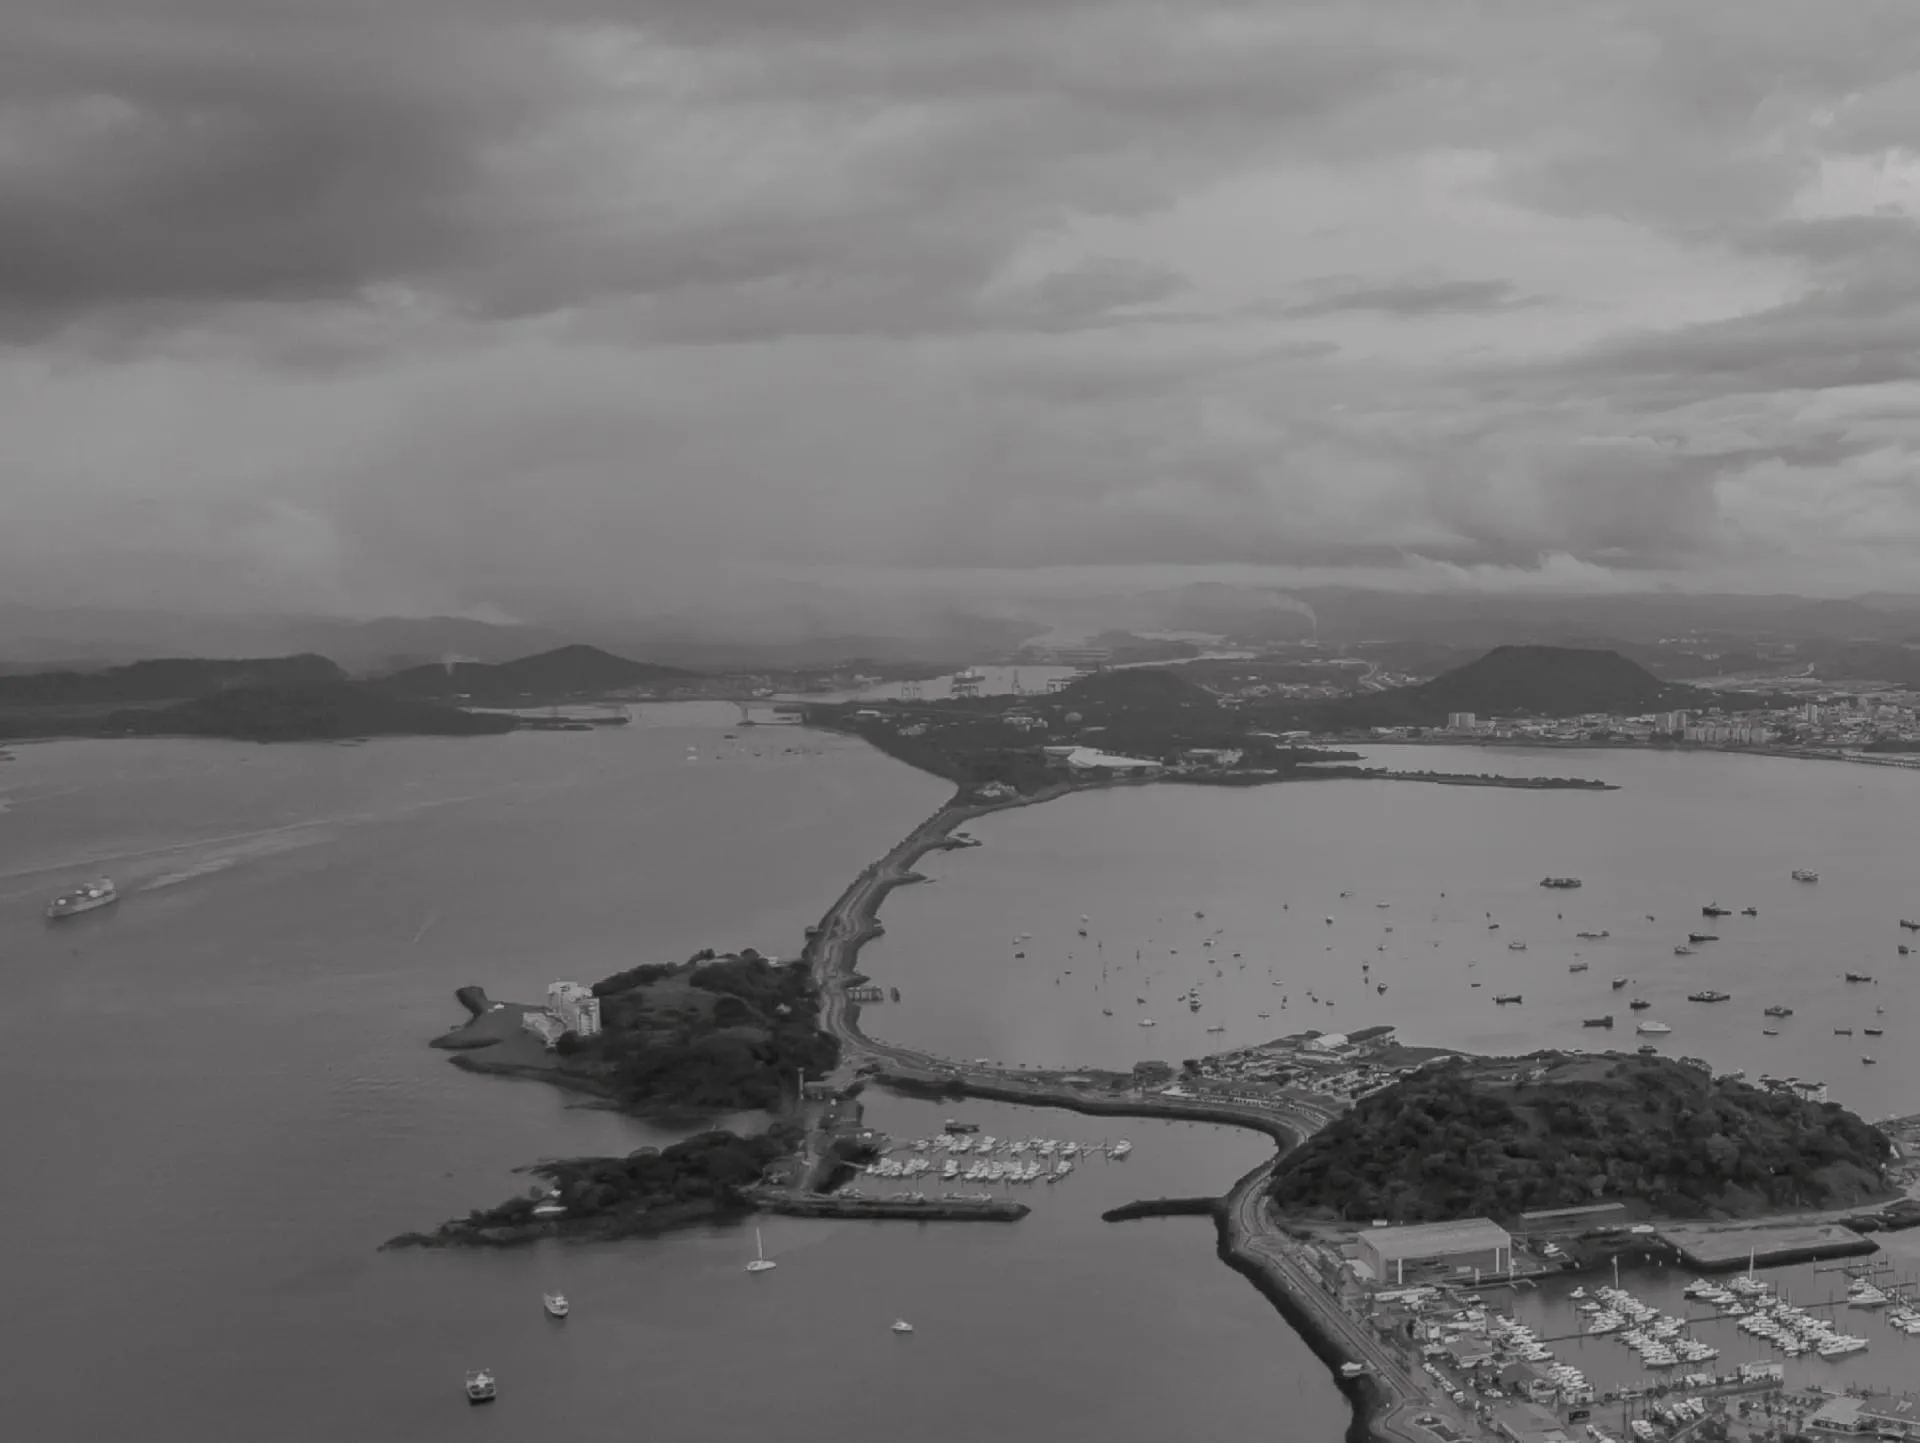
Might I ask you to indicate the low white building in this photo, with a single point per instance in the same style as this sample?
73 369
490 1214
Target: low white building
574 1004
544 1025
1086 759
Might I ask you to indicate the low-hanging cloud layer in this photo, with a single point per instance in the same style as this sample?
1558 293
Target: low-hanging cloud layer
552 305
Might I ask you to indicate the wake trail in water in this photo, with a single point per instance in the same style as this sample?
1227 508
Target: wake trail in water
234 847
426 925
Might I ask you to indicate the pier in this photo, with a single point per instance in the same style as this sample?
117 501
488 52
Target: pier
949 1210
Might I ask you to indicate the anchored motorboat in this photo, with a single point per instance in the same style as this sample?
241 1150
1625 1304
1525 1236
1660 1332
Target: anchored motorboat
1618 983
555 1304
901 1325
480 1386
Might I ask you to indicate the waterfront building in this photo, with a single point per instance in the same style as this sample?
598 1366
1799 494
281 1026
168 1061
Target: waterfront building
1886 1415
544 1025
1461 721
576 1007
1477 1245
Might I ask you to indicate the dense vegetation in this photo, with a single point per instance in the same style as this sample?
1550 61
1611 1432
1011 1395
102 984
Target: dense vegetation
726 1033
1535 681
1146 712
690 1181
329 710
557 675
1499 1137
173 679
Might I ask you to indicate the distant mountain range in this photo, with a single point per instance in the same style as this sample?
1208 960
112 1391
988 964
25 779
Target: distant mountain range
292 697
550 676
318 712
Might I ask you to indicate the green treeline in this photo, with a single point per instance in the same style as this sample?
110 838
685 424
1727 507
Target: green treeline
1457 1140
723 1033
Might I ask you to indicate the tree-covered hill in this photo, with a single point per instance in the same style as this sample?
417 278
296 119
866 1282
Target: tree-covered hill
1534 681
1502 1136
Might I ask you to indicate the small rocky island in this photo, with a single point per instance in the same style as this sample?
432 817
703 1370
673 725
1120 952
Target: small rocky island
1500 1136
677 1042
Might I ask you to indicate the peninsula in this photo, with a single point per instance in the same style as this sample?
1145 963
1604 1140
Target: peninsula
1137 724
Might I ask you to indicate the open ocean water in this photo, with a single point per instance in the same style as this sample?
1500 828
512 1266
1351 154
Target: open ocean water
221 1102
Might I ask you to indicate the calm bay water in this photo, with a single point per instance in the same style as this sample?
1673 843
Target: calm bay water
222 1102
1267 867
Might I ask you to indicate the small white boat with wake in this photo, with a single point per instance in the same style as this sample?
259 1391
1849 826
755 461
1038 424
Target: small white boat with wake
87 897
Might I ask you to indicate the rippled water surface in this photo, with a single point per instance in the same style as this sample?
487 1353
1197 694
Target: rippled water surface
220 1103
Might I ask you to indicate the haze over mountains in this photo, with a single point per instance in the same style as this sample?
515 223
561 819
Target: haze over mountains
822 626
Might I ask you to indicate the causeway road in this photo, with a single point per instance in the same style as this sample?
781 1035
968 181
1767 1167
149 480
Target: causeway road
1249 1230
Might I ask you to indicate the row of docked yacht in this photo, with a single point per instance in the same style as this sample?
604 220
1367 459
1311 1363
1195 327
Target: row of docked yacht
1794 1331
987 1145
1660 1340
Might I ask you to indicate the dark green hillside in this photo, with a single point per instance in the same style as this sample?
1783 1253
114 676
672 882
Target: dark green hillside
171 679
726 1033
550 676
1519 681
327 711
1502 1136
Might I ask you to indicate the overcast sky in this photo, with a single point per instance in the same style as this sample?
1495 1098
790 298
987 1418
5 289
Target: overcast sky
410 305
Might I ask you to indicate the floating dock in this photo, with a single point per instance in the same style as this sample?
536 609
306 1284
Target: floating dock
945 1210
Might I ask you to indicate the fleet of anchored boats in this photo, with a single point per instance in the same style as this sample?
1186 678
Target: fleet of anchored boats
960 1156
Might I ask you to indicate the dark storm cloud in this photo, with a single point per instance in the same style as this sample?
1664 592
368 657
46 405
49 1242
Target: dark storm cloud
1864 334
337 287
1412 299
165 155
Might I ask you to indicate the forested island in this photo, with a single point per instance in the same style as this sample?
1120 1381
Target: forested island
642 1194
714 1034
1497 1137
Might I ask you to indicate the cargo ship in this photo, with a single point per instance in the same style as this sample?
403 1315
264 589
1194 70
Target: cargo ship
1708 995
1560 882
1801 874
87 897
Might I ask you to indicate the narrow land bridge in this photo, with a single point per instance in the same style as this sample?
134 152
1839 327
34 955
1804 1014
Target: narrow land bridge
1388 1398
